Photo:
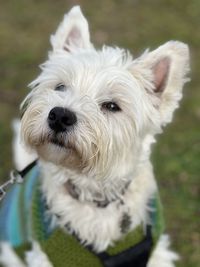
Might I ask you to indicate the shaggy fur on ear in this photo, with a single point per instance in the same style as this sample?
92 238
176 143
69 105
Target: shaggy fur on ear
72 33
163 72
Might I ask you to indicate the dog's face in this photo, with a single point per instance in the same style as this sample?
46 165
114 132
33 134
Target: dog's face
93 110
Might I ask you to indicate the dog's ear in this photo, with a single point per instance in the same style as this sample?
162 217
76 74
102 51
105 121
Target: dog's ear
163 73
72 33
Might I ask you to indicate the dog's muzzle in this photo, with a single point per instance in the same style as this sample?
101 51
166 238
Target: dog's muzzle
61 119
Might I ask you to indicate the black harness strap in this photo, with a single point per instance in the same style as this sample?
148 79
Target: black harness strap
27 169
136 256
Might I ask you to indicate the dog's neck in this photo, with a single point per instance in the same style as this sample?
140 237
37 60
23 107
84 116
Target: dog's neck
101 198
90 188
94 224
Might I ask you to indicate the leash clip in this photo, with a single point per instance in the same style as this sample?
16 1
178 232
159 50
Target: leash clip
15 177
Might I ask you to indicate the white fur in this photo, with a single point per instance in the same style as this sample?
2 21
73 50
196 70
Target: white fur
73 28
37 258
33 258
22 156
8 257
99 226
162 256
104 151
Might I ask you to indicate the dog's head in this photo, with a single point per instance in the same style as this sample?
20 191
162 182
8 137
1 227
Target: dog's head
93 110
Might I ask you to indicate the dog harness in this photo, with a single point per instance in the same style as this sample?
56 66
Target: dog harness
24 218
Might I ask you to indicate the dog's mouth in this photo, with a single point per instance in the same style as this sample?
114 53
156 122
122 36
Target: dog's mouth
56 141
61 142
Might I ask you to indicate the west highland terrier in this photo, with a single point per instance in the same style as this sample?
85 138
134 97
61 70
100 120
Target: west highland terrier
91 198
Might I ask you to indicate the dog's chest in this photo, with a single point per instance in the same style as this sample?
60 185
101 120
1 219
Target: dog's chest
98 227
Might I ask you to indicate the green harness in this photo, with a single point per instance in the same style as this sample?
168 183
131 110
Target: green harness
65 250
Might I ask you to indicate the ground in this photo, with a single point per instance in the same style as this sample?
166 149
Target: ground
25 27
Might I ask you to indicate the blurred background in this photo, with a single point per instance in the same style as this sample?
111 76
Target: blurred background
25 27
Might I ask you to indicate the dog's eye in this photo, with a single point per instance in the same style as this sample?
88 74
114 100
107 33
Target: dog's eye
60 87
111 106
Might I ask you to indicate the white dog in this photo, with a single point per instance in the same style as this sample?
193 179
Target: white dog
91 117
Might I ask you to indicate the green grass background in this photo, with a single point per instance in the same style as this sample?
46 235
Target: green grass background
25 26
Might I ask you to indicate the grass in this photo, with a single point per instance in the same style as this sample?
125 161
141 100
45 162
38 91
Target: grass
25 27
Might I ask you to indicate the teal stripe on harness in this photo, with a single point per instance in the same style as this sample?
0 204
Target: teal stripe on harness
30 183
16 211
14 219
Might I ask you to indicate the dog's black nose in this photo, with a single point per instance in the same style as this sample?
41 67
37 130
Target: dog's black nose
60 119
